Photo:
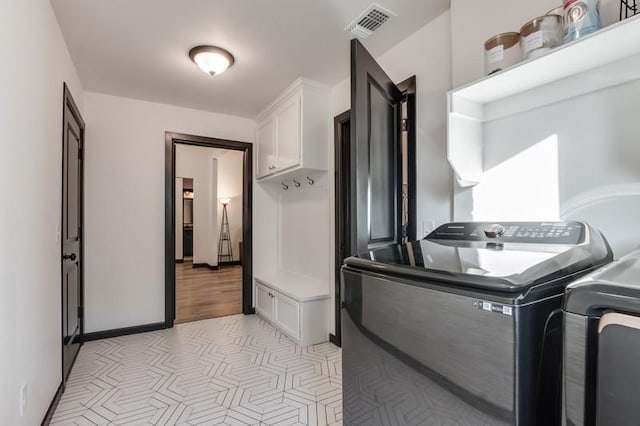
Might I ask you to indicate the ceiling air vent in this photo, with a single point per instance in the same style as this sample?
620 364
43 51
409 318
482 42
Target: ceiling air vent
369 21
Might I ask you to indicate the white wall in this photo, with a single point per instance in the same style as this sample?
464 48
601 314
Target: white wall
200 164
230 179
125 202
265 227
427 55
304 223
577 159
30 177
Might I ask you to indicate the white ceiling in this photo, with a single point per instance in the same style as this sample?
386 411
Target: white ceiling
138 49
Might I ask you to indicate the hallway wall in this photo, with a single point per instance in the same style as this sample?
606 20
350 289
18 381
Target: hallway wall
125 202
230 186
30 179
199 163
179 197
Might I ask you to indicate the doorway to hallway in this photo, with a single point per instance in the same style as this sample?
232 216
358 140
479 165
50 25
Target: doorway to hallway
208 202
208 215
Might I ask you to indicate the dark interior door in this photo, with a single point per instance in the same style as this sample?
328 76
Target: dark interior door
376 181
73 128
342 135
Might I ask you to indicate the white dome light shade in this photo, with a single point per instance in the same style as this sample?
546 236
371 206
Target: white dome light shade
210 59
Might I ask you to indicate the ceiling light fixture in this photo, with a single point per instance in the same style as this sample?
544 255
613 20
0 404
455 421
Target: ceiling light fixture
210 59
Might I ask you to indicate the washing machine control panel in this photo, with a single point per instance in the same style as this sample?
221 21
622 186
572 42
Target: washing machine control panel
512 232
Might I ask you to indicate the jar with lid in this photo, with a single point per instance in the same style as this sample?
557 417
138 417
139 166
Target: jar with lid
540 35
501 52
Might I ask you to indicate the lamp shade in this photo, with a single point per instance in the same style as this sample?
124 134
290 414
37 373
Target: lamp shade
210 59
224 201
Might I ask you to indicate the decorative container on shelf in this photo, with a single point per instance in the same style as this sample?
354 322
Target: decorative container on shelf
540 35
501 51
582 17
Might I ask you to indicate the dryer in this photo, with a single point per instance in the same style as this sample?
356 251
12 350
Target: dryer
602 346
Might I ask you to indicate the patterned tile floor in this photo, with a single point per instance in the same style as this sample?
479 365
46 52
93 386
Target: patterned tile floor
236 370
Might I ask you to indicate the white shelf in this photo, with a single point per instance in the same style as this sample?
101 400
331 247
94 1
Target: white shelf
607 58
296 286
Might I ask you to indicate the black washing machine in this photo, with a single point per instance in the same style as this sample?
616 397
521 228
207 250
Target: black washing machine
602 346
463 327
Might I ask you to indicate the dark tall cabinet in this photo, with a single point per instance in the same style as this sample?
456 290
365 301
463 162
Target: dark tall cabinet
187 242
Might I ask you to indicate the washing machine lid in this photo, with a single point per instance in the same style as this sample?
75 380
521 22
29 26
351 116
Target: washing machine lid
612 287
507 257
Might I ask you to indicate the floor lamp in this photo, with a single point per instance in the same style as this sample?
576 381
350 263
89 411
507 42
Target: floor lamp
225 253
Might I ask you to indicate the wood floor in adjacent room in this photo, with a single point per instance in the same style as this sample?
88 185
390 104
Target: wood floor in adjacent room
202 293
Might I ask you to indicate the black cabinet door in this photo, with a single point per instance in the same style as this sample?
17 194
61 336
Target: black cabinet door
375 199
187 242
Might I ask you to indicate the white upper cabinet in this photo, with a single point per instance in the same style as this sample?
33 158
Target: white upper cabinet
293 132
289 136
266 143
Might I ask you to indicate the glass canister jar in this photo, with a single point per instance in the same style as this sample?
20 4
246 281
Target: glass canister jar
501 52
540 35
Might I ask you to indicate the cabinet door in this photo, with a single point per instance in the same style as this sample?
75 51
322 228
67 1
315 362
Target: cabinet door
287 315
375 167
265 145
264 301
289 133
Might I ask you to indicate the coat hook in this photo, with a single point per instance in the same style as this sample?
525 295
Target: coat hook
296 183
311 181
285 187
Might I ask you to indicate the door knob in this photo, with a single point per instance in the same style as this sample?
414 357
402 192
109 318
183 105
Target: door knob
70 257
